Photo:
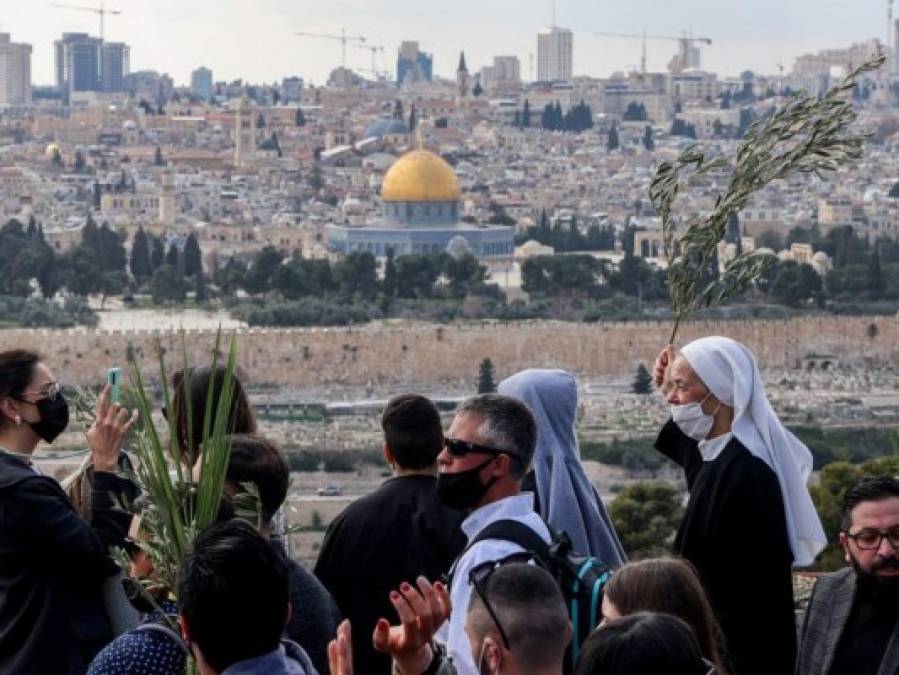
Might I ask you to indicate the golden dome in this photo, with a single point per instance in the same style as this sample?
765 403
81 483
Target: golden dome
420 176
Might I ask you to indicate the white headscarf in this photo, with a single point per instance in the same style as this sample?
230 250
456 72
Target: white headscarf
731 373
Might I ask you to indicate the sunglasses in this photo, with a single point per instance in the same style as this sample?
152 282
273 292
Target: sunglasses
459 448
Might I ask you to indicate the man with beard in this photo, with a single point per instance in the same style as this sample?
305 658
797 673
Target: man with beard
852 623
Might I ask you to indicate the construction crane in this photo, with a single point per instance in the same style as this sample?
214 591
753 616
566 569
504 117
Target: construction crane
343 38
101 11
373 49
685 41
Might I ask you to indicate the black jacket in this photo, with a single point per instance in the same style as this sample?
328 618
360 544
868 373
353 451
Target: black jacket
52 564
734 531
396 533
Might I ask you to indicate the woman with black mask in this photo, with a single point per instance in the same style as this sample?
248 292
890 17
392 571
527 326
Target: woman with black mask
52 563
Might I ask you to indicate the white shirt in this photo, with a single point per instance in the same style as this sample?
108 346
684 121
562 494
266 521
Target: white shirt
452 632
710 449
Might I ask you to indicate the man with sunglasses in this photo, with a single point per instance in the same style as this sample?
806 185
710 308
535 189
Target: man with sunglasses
852 622
488 450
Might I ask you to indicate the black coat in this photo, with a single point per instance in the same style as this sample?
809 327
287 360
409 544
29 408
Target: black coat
734 531
52 565
396 533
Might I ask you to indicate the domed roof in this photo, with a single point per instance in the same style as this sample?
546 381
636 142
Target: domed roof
129 125
458 247
381 128
51 149
420 176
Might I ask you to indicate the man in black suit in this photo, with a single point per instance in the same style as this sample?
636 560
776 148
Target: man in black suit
852 623
399 532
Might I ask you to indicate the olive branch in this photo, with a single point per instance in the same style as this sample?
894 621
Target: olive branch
806 135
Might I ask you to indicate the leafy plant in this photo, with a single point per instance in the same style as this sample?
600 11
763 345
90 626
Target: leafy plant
177 504
806 135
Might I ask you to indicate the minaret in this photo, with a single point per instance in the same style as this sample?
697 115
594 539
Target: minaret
167 200
244 133
463 79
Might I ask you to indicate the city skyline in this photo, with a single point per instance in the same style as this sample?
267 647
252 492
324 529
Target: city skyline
260 46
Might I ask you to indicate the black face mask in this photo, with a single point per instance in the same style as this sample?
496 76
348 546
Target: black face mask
54 418
463 490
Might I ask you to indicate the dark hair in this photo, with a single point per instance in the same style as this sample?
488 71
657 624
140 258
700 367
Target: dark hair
642 644
242 419
233 594
867 489
16 372
531 610
670 586
257 460
508 424
412 431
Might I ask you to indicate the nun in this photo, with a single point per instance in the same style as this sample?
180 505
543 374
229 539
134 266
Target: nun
566 499
749 518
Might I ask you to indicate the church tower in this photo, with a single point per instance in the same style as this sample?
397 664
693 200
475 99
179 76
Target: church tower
463 80
244 134
167 200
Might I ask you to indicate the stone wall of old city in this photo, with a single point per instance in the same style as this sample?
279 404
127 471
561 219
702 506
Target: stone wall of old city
425 353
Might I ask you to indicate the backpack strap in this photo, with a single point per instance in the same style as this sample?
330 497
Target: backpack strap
506 530
517 533
153 627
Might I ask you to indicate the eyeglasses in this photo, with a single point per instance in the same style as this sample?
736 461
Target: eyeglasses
478 577
49 391
459 448
869 540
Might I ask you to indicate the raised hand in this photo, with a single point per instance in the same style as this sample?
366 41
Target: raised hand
663 361
421 613
111 423
340 650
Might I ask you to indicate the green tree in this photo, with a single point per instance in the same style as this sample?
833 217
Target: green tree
612 142
486 381
259 276
875 281
157 253
390 276
168 285
80 164
141 266
193 257
416 275
796 283
357 275
648 141
646 516
894 191
643 381
314 179
230 277
158 159
526 114
635 112
173 257
200 292
299 119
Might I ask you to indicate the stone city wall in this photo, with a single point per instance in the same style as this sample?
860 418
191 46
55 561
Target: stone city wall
425 353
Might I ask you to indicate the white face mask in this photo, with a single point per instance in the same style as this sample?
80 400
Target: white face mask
691 420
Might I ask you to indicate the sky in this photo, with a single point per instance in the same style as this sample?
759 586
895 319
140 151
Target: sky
254 39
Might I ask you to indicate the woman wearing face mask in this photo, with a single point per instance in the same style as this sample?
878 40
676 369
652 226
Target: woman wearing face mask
749 517
52 563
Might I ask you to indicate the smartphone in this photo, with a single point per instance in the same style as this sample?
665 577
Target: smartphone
114 380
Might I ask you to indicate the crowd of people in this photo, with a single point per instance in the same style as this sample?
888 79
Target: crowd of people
488 550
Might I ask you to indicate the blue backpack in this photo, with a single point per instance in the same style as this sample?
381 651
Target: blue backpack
581 579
